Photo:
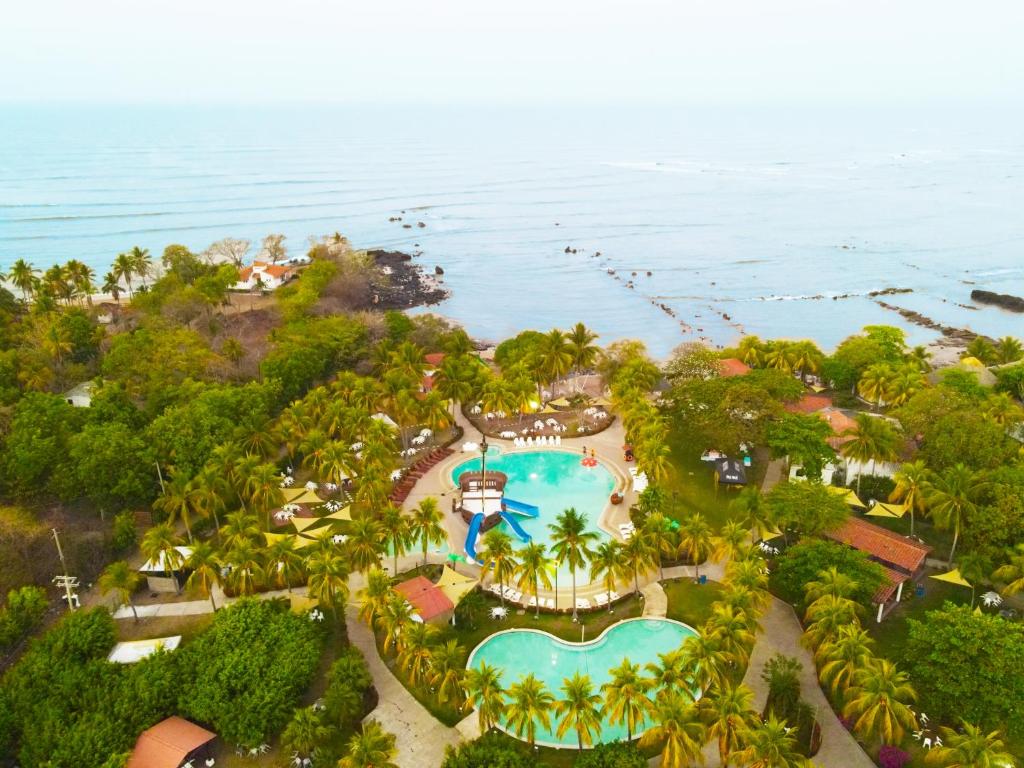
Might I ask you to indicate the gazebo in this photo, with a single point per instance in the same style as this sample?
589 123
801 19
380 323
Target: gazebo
730 472
427 599
170 744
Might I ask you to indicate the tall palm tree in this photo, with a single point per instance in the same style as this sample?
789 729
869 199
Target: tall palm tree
728 712
447 671
608 563
397 531
327 578
160 543
572 543
696 540
1009 350
374 596
534 572
427 524
370 748
365 543
840 656
247 568
485 693
733 631
454 379
640 555
498 555
530 703
831 582
769 745
749 503
626 697
395 616
579 709
121 578
879 703
204 564
305 731
176 500
952 496
732 538
806 358
826 615
1002 409
142 262
971 748
582 348
912 484
872 439
906 382
676 726
124 269
263 487
981 349
874 383
112 286
239 527
283 562
1011 573
779 356
707 662
657 529
418 641
23 275
669 673
556 356
751 348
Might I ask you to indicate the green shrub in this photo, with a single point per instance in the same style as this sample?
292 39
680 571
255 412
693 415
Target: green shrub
492 750
24 612
615 755
802 563
124 533
347 684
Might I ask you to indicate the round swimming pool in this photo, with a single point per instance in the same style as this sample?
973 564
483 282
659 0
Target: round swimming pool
551 481
518 652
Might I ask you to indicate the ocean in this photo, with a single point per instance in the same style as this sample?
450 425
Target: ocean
680 223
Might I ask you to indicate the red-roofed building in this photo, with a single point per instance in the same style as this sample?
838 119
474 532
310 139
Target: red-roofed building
809 404
840 423
427 599
172 743
731 366
270 276
902 558
434 359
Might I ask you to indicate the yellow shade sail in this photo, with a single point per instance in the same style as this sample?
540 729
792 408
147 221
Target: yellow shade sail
560 402
305 540
952 577
317 533
881 509
307 497
847 495
769 535
345 513
275 537
548 409
454 585
601 402
302 603
302 523
816 388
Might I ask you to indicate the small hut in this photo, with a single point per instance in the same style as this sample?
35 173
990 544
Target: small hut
427 599
172 743
730 472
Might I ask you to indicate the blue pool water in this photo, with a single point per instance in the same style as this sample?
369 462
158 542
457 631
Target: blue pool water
553 481
519 652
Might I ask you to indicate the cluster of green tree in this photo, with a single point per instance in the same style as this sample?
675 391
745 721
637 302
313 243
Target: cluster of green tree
298 298
634 378
242 676
801 564
22 614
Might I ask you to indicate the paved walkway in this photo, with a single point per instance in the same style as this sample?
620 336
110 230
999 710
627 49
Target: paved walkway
420 739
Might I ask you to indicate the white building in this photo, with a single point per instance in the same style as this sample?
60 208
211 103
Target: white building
264 275
80 396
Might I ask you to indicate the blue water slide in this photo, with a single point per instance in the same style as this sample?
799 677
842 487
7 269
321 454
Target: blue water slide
474 531
515 526
521 507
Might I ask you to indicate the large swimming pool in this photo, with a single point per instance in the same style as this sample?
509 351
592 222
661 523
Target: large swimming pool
552 481
519 652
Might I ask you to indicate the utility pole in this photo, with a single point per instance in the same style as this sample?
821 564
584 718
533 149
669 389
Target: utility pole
64 580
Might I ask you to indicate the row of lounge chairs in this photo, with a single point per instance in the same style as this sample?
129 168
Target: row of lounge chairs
627 530
582 603
404 486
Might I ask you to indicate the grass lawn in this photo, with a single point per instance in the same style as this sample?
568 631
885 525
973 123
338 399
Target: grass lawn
691 487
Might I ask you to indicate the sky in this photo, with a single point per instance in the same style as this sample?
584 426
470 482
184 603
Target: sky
522 52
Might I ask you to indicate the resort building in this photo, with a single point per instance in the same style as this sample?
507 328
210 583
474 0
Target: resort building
80 396
902 558
429 601
731 366
171 744
264 276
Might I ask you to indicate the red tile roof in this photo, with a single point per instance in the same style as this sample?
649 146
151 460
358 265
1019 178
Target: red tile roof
889 548
434 358
839 422
277 270
425 596
244 274
888 588
168 743
730 366
809 404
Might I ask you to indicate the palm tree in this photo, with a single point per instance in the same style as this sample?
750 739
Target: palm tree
657 529
872 439
1008 349
707 662
806 358
1002 409
669 673
840 657
729 712
418 641
584 352
284 562
305 731
826 615
769 745
608 563
696 540
454 379
204 564
247 570
732 539
397 531
874 383
498 555
160 544
677 727
427 524
981 349
121 578
327 578
364 544
579 709
906 382
374 596
142 262
1011 573
23 275
952 497
530 703
920 356
571 543
263 488
556 356
751 350
779 356
639 554
123 269
878 703
912 487
395 616
239 527
534 572
831 583
485 693
755 515
176 501
370 748
447 671
733 632
971 748
625 697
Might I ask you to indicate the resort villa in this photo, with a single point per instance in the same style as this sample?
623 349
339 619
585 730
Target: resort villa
265 276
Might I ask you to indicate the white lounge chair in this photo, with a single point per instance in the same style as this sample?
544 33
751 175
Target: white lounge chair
601 598
583 604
